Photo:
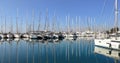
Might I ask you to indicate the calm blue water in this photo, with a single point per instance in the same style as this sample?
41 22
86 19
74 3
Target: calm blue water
66 51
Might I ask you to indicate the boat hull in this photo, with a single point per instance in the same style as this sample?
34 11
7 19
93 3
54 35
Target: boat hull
33 36
108 43
17 35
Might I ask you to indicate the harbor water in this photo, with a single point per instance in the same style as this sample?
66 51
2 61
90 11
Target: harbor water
54 51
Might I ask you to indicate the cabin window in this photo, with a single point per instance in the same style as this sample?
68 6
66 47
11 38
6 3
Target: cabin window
99 41
110 52
109 45
119 46
119 54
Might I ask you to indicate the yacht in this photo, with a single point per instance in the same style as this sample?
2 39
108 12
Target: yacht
113 41
17 35
39 36
70 36
10 35
3 35
33 36
25 35
55 36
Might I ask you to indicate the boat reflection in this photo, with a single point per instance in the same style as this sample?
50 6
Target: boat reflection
115 54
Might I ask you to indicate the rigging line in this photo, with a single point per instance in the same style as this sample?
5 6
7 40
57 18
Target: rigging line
110 18
102 11
103 8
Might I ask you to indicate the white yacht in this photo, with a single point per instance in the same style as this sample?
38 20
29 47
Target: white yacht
33 36
17 35
78 34
3 35
70 36
88 34
10 35
114 41
26 35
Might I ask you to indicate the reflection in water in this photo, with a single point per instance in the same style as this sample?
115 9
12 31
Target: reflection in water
51 51
108 53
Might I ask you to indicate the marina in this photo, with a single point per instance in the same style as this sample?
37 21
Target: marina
62 31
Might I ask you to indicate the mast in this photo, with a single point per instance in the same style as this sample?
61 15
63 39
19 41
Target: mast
21 25
39 21
26 22
46 21
17 22
116 15
5 24
54 19
76 24
33 20
11 26
88 23
1 25
68 23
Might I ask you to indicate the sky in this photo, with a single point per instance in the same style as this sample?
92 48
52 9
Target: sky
102 11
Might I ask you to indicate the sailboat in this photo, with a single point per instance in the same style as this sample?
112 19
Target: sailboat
39 34
4 35
17 34
47 33
33 34
88 32
54 34
10 35
26 34
69 34
109 42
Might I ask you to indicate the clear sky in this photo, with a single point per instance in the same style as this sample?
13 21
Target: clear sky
101 10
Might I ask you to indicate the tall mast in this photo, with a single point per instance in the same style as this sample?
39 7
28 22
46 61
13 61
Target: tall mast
33 20
21 25
5 24
68 19
76 30
79 23
72 28
46 21
1 25
17 22
54 19
66 24
116 14
39 22
88 20
26 22
11 25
